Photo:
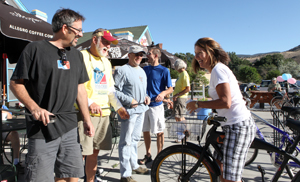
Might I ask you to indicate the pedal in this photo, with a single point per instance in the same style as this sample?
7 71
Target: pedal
262 171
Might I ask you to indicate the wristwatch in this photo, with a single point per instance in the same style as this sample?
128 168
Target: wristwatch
196 104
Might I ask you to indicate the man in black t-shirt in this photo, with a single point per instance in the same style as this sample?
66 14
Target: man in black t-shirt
48 80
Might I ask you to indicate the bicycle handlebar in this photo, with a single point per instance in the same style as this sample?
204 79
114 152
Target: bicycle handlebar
216 119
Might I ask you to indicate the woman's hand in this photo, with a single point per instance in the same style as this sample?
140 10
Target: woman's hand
191 106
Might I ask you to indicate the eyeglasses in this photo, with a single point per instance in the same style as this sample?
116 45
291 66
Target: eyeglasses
139 54
149 53
76 29
63 56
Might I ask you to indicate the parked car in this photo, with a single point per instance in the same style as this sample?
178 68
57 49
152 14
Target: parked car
265 84
248 86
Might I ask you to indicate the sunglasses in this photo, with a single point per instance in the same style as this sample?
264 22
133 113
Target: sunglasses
63 56
139 54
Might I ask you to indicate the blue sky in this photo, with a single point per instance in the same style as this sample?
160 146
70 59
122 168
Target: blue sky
240 26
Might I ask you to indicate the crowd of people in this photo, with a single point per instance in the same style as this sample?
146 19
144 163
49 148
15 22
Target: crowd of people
51 76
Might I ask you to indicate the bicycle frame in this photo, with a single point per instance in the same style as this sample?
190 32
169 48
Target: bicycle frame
285 137
215 137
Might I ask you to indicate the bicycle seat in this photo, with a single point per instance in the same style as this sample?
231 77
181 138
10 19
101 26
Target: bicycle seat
293 124
291 110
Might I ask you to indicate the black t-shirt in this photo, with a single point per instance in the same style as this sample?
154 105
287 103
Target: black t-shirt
51 85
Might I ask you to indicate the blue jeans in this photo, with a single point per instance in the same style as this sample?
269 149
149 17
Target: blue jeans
130 136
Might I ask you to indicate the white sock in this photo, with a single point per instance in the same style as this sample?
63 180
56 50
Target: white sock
16 161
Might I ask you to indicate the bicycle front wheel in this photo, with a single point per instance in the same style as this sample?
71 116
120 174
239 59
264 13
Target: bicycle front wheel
168 165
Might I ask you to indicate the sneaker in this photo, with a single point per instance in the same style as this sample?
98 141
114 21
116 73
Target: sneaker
145 160
177 141
127 179
20 169
140 170
99 171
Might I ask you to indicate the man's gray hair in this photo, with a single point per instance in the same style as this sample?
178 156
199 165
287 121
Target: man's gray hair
179 64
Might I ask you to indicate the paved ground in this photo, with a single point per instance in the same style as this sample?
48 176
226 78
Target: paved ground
110 164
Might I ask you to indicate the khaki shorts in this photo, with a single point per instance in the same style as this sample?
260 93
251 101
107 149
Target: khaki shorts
179 107
102 140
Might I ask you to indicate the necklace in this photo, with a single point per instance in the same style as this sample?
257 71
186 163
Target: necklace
95 68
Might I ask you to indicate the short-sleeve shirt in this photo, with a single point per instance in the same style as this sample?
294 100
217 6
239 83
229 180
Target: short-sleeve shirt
276 86
238 111
52 84
101 80
182 82
158 80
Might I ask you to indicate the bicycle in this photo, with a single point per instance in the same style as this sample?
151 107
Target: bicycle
191 162
282 139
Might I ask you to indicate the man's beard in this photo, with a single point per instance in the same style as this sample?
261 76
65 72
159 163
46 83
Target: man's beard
100 50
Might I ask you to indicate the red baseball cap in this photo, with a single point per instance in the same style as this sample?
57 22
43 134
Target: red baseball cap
108 36
105 34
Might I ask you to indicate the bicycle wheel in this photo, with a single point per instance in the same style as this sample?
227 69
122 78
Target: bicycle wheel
167 165
251 156
279 103
275 99
296 177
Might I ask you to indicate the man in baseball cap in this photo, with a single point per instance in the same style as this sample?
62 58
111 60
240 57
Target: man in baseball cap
130 85
100 91
274 86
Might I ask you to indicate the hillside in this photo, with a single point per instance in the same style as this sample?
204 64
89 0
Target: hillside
293 53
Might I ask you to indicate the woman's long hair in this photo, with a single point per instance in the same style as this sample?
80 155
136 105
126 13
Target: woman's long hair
214 51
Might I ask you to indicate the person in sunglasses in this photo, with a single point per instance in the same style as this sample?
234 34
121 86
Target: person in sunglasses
101 94
48 79
130 85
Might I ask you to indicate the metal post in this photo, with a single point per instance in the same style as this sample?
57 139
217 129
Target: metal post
192 88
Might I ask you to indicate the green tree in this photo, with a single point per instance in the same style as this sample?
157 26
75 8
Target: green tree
174 73
249 74
272 74
269 60
236 62
264 69
290 66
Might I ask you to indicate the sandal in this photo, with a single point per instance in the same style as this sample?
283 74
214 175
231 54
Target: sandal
145 160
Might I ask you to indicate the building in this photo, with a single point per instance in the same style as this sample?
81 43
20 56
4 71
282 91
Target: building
19 5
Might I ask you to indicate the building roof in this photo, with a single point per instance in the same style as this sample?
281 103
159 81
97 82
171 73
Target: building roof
136 31
17 4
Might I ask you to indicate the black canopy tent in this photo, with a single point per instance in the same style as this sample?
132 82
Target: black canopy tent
117 53
17 29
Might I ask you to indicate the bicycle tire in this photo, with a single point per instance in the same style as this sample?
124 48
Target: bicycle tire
251 156
275 99
167 165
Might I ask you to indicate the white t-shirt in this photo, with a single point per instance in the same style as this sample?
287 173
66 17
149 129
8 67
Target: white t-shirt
238 110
